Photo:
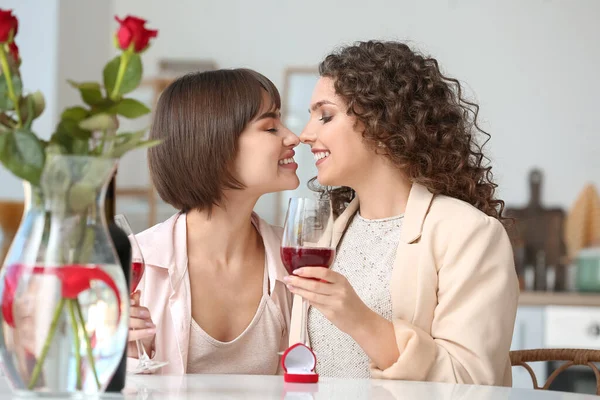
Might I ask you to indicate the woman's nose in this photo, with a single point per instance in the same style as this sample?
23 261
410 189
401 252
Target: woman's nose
307 136
290 139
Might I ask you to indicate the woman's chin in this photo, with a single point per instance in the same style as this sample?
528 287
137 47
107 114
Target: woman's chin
326 180
289 183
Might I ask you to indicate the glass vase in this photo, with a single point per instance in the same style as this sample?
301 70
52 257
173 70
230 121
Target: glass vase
64 298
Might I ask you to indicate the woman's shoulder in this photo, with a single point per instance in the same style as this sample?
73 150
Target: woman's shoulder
267 229
162 243
155 232
457 217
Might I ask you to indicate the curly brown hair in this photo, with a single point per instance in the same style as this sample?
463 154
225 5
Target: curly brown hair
418 117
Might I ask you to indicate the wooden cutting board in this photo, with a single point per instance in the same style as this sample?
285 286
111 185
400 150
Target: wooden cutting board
537 236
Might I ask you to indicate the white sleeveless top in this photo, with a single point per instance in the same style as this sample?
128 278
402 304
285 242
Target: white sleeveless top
253 352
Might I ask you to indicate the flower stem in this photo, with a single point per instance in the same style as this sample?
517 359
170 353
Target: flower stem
9 84
125 57
100 148
88 344
40 362
75 326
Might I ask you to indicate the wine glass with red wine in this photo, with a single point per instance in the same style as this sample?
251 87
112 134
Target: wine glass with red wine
307 240
138 267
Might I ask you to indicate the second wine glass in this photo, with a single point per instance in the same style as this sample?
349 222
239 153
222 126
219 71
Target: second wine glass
307 240
138 267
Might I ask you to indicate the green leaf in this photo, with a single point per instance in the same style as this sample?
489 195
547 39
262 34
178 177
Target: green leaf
22 153
75 113
71 138
69 144
99 122
125 142
133 75
105 106
5 102
71 127
131 78
131 108
90 92
119 151
111 70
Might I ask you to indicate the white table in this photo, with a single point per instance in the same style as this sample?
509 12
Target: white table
230 387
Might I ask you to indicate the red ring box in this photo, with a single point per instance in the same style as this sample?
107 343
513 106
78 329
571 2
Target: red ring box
299 364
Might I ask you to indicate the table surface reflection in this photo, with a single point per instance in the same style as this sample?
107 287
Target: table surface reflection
250 387
145 387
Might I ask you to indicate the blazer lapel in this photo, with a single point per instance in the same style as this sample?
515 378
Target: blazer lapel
419 200
404 277
342 221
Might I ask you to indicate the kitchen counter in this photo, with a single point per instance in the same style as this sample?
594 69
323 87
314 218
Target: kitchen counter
578 299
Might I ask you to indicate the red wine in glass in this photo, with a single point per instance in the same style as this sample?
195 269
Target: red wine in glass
137 271
297 257
307 240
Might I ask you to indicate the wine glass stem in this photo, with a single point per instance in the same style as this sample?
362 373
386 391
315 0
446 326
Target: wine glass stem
142 355
304 331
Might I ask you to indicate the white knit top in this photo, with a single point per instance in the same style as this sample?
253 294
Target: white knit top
365 256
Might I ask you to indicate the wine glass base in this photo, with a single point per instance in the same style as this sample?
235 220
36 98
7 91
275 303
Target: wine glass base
148 366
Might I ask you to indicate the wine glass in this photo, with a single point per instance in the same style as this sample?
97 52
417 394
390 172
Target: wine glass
307 240
138 266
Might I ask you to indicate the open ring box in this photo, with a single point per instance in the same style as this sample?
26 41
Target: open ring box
299 364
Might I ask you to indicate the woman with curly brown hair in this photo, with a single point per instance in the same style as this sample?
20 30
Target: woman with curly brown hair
424 285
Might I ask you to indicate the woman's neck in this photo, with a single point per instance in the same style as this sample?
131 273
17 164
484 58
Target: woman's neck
226 236
382 191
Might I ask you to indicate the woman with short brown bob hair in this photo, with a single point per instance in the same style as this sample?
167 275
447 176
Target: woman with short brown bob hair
211 299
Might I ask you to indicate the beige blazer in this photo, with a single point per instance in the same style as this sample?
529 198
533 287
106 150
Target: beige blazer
454 293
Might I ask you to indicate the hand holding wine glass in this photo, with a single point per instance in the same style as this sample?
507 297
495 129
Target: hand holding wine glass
140 322
307 240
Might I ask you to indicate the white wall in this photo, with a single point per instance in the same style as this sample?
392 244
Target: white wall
38 44
531 64
85 45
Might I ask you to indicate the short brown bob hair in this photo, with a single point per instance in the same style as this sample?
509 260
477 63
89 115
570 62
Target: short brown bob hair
199 118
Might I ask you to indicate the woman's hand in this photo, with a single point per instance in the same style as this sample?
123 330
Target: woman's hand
140 327
331 294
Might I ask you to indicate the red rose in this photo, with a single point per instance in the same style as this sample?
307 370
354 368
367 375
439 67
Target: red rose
132 30
8 24
14 51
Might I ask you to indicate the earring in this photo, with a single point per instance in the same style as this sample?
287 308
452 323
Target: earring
380 144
